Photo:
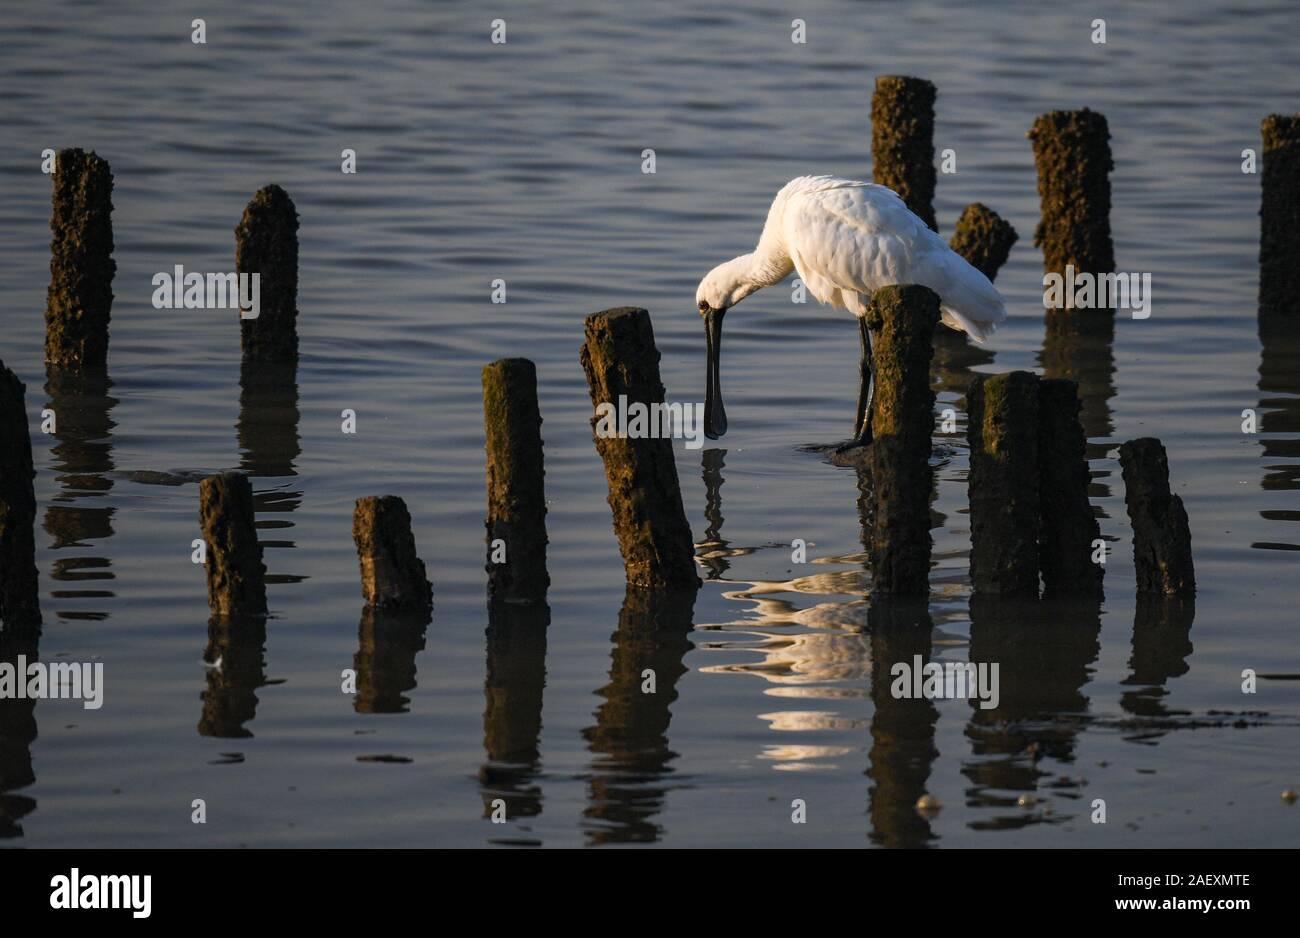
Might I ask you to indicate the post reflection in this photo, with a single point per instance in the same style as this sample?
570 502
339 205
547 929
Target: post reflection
267 434
629 741
387 643
1045 650
17 733
902 729
1162 627
512 714
1079 344
1279 419
236 668
78 518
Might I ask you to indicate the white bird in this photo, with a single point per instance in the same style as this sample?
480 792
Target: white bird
845 240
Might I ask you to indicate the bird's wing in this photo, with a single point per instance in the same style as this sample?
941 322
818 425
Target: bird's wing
861 237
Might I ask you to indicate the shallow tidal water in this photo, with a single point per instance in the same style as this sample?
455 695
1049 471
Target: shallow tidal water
522 162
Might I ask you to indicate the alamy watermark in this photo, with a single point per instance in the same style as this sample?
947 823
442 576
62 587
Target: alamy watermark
59 680
1098 291
640 421
951 680
179 290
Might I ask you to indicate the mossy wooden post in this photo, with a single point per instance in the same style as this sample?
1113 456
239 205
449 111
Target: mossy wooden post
1072 153
1279 216
1162 539
902 141
266 243
1068 529
19 595
902 320
236 584
392 576
984 238
620 360
516 495
1002 429
80 296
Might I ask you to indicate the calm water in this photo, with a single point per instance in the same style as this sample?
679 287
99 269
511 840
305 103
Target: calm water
522 162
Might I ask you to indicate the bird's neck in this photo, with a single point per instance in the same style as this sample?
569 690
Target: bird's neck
767 264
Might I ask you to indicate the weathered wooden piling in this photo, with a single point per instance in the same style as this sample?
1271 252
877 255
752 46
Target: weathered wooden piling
236 585
621 362
902 320
266 243
984 238
902 141
1279 215
1162 539
80 296
516 495
1072 153
392 576
1002 429
19 595
1068 528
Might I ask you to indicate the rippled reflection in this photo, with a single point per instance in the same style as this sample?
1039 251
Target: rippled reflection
1045 650
267 433
512 713
235 656
902 729
17 733
78 518
1279 420
1162 627
387 643
629 741
1079 345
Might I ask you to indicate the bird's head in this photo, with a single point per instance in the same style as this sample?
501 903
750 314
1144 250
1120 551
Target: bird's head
722 288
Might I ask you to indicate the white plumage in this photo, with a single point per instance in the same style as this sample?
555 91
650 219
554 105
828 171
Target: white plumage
846 240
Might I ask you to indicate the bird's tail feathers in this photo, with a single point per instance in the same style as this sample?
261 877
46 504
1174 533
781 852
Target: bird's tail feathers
971 303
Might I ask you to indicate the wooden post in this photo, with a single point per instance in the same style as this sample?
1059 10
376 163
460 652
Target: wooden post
235 571
80 295
1072 153
621 361
902 320
1279 216
984 238
1162 539
516 495
1068 528
1002 429
392 576
902 141
19 593
266 243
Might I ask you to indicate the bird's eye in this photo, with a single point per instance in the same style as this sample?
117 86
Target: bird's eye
704 306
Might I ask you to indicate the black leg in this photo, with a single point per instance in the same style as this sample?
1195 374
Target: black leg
866 386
